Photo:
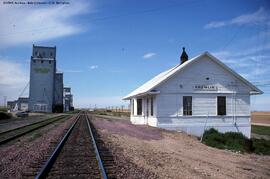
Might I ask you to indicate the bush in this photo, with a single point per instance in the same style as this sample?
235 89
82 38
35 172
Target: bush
230 140
213 138
261 146
4 115
235 141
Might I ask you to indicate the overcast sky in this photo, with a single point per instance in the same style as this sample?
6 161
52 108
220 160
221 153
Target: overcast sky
108 48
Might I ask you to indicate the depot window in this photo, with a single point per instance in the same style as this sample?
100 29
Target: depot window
139 106
187 105
221 105
133 108
152 106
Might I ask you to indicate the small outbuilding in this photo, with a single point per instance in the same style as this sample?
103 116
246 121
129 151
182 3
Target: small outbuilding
193 96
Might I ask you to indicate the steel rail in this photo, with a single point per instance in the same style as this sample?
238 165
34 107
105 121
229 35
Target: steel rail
48 165
100 163
28 125
27 131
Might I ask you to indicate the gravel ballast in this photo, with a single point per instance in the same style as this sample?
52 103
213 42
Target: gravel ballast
18 158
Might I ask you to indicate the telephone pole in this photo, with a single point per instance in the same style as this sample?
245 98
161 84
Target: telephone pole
5 101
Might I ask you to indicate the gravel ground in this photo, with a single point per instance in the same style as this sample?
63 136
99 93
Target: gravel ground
147 152
19 157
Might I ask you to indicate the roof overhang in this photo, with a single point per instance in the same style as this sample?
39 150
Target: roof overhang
152 92
256 92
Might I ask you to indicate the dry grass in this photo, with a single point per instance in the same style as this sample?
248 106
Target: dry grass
260 117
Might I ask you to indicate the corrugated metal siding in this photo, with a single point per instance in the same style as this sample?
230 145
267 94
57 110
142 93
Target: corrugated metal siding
42 72
59 85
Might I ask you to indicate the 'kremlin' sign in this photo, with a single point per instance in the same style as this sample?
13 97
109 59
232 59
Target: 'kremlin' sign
205 87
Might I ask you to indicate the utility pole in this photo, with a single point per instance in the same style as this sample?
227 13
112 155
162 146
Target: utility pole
5 101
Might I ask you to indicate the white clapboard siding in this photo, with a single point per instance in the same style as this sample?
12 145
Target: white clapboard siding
202 105
168 105
169 87
197 73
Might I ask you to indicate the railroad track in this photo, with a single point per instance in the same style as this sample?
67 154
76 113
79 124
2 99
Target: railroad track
13 134
79 154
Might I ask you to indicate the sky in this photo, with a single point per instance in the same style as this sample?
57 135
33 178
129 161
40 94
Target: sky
108 48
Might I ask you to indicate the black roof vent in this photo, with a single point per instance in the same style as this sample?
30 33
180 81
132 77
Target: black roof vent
184 56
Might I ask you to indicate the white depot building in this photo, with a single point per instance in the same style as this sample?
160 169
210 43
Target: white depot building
196 95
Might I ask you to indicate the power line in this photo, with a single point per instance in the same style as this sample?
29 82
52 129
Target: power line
233 37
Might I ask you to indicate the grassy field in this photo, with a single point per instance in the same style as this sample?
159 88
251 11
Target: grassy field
261 130
111 113
3 109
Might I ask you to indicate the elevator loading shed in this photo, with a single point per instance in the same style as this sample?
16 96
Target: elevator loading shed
196 95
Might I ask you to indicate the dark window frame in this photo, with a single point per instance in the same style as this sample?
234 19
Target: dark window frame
152 106
147 107
187 105
133 106
221 106
139 107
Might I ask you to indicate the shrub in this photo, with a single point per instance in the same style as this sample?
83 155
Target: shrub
230 140
213 138
235 141
261 146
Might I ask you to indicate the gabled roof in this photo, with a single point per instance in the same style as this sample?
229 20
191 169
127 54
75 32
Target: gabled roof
160 78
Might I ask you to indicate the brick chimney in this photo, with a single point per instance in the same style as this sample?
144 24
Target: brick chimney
184 56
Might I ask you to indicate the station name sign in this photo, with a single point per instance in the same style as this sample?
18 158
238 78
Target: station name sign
205 87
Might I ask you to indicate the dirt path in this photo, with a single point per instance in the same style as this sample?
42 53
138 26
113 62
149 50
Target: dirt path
158 153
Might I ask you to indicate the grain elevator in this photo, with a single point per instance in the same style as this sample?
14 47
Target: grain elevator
46 84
